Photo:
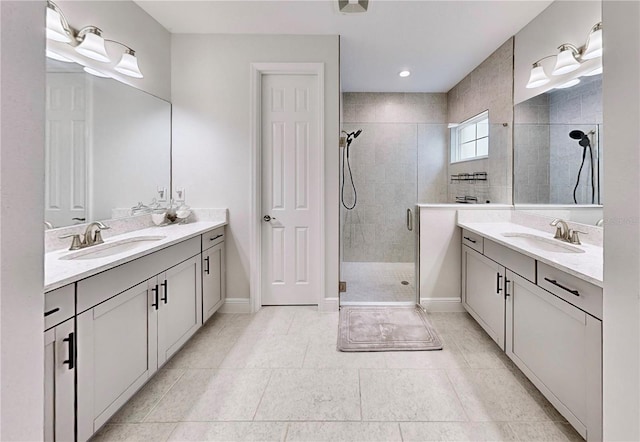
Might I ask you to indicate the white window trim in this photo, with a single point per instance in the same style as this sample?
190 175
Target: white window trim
454 152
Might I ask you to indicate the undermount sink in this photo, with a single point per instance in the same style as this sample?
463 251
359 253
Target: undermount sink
112 248
542 243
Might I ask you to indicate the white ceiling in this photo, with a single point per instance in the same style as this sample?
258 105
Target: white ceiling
440 42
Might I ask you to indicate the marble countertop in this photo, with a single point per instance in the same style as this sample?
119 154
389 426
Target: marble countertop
587 266
60 272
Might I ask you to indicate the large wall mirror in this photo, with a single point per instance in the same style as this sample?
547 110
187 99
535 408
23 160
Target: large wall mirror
108 147
558 145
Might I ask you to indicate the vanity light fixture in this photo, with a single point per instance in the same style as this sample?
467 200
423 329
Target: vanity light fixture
596 71
88 42
404 74
57 27
92 44
593 48
569 58
568 83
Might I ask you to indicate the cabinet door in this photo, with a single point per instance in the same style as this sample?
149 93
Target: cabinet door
483 285
559 348
59 361
117 353
180 313
213 280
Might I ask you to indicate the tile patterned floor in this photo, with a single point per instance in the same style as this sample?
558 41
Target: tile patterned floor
378 282
277 375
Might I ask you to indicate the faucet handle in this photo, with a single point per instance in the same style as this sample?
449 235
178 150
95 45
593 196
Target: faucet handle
558 234
76 243
97 239
575 239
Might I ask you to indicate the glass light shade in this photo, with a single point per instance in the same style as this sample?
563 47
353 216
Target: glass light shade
537 77
568 83
596 71
95 72
565 62
54 56
55 28
594 45
92 46
128 65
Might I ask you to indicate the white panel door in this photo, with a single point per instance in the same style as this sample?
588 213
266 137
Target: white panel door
291 165
66 149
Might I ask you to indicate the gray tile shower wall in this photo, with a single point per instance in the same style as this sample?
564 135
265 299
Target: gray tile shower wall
400 159
487 87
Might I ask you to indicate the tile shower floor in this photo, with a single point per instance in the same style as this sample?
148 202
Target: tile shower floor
276 375
378 282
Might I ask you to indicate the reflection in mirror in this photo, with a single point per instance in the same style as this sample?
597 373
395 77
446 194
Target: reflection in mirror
558 142
108 146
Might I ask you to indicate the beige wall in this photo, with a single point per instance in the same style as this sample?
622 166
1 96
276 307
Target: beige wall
22 81
487 87
211 133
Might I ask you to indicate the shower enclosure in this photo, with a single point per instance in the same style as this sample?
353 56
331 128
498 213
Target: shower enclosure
378 219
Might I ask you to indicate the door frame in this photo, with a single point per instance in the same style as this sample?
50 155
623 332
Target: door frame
257 71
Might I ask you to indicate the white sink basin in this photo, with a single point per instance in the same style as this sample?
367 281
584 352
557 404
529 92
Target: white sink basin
542 243
112 248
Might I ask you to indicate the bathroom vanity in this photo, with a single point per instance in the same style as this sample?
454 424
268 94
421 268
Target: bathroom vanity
540 300
115 313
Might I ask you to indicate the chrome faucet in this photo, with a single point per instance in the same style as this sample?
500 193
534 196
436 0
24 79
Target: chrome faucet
563 232
90 238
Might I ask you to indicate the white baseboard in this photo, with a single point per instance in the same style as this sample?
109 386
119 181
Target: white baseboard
329 305
442 304
236 305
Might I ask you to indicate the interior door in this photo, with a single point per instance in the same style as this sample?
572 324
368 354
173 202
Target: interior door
66 149
291 165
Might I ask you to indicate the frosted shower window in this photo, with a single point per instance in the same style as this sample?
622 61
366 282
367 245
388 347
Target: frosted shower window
470 139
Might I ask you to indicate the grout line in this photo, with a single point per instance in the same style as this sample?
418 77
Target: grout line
163 396
286 431
262 396
453 387
400 430
360 393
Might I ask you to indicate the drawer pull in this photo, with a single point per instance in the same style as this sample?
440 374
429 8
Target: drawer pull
554 282
215 237
498 277
506 287
155 297
470 240
165 286
207 268
72 345
51 312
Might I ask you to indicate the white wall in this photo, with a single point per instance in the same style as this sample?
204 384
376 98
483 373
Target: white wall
621 322
22 86
211 140
562 22
126 22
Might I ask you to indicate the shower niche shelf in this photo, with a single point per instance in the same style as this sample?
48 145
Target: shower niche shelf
473 177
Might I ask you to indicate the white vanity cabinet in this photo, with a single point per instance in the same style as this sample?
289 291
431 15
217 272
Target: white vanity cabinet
59 365
213 272
559 348
483 292
131 319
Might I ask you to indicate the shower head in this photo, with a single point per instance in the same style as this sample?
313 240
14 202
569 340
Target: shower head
581 136
358 132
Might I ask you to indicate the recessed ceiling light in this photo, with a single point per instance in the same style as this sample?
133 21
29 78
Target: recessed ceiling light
404 73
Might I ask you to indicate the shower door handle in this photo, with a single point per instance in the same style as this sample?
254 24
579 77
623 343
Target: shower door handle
409 220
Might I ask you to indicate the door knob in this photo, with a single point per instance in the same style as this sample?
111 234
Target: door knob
267 218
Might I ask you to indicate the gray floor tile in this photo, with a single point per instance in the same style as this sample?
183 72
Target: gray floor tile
230 431
344 431
212 395
409 395
545 431
306 394
456 431
140 432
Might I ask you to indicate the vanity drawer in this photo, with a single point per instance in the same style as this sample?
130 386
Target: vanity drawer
59 305
514 261
212 238
473 240
582 294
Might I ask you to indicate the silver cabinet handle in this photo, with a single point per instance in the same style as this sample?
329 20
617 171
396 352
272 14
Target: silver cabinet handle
409 220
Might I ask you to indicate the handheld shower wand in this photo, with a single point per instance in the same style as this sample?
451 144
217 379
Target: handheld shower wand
584 142
345 160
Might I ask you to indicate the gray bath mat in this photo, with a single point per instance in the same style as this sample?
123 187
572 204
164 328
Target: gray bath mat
386 329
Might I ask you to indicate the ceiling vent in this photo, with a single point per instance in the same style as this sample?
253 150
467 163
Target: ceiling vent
353 6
